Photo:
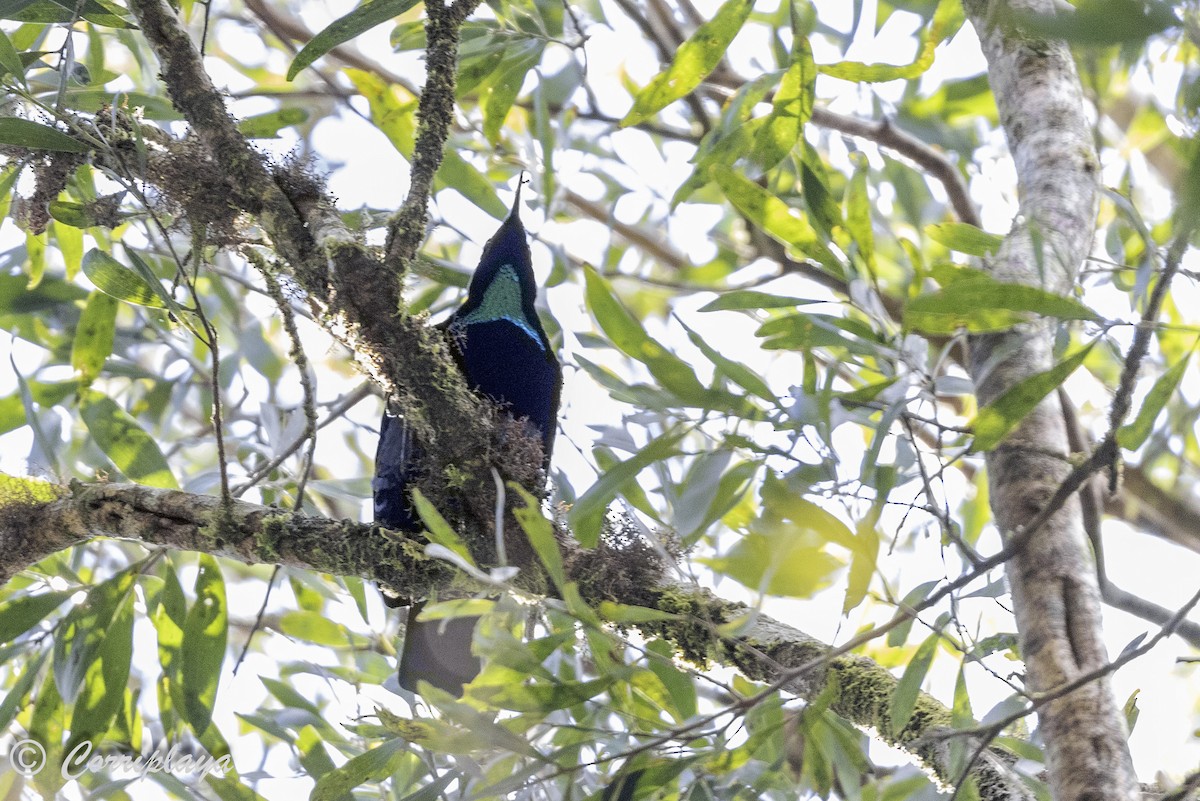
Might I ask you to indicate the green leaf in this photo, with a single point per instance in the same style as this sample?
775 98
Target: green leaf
1131 436
626 332
1099 22
392 109
80 635
8 8
460 175
778 558
343 29
541 534
115 279
802 331
105 683
70 213
863 561
660 659
480 50
313 753
735 371
773 215
626 614
984 304
131 449
169 616
94 336
858 213
375 765
15 696
314 627
505 84
267 126
1132 713
946 21
899 635
792 108
26 133
46 726
740 299
97 12
202 651
964 238
436 527
148 275
995 420
544 697
587 515
35 258
10 61
904 698
70 245
19 615
151 107
228 788
694 60
963 717
783 499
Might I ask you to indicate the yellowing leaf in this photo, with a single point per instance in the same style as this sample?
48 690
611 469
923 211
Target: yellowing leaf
694 60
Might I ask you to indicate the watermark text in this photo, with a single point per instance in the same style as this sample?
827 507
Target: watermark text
28 757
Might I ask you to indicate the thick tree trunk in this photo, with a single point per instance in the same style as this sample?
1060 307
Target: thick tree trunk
1055 593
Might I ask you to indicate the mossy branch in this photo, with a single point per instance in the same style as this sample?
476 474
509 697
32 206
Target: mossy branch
435 113
38 519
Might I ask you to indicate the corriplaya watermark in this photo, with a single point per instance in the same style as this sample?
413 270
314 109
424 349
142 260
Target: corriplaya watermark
28 757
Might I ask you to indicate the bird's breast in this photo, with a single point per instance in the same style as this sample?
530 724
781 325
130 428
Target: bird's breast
505 361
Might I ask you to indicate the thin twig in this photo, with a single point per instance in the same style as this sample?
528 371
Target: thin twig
336 411
258 619
992 730
299 359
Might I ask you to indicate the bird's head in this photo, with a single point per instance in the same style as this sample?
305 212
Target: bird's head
508 247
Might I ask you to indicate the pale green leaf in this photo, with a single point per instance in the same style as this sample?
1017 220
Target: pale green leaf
964 238
1132 435
587 515
268 126
904 697
540 534
115 279
984 304
131 449
202 651
94 336
994 421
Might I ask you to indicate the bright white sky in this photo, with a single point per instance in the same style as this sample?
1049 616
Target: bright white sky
1165 735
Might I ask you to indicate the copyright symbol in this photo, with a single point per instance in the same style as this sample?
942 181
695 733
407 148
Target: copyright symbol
28 757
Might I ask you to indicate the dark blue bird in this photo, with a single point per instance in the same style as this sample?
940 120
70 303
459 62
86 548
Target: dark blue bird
505 355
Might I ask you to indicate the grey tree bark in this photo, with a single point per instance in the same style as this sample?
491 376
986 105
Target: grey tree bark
1053 581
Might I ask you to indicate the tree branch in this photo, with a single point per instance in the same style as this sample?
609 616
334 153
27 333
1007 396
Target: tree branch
932 161
435 113
38 519
1055 594
358 296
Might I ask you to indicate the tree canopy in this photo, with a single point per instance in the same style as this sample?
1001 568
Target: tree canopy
875 324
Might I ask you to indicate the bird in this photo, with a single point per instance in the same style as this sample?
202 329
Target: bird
498 342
